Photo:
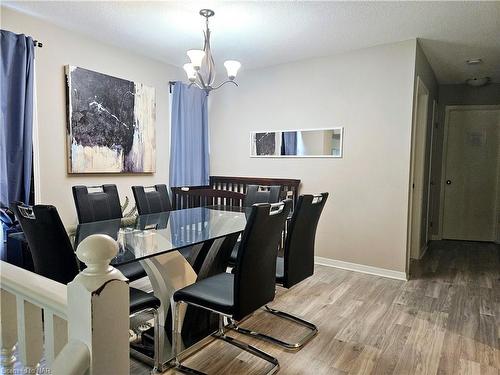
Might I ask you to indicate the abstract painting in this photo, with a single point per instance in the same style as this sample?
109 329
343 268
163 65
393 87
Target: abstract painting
111 124
265 143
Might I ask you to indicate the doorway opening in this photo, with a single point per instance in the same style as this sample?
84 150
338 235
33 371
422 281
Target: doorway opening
466 197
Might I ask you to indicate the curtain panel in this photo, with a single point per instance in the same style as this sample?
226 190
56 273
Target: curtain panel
189 147
16 117
289 143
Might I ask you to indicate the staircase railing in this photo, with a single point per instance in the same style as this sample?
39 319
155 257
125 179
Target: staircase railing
81 328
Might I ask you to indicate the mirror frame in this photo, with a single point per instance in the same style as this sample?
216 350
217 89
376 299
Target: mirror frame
299 156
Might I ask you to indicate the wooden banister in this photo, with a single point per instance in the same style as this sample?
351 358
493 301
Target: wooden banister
80 359
24 296
36 289
85 324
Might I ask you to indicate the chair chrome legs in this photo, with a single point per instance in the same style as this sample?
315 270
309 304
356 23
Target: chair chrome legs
287 345
220 335
252 350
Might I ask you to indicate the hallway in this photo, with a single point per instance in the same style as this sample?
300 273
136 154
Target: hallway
459 281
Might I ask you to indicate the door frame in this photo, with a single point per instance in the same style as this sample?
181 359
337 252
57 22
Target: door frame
447 111
413 164
429 176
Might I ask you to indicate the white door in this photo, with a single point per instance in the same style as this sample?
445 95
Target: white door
471 173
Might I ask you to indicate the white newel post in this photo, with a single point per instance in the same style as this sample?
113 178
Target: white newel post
98 312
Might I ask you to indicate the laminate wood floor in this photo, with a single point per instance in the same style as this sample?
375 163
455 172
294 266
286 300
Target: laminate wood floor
446 320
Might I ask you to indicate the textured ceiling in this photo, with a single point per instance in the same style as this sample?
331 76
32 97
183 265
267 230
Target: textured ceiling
268 33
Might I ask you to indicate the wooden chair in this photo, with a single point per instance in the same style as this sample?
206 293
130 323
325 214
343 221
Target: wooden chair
201 196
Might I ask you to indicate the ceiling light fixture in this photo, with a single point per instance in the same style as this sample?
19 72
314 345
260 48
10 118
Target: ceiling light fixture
478 82
201 70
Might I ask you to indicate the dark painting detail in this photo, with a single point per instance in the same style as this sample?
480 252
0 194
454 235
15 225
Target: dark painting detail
111 124
265 143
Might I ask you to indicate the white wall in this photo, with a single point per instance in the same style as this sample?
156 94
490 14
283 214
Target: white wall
369 92
62 47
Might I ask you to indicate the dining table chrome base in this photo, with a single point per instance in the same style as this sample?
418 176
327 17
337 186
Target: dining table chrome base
313 330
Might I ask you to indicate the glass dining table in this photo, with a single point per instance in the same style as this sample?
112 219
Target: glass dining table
155 234
176 249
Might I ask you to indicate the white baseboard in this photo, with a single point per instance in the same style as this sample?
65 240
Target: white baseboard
360 268
436 237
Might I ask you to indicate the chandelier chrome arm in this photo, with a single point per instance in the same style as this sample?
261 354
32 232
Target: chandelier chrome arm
197 85
201 79
223 83
207 89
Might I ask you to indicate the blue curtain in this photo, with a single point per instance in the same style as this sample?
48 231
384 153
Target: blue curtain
16 117
289 143
189 157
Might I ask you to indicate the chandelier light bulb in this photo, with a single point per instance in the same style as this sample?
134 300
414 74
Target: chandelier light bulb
190 71
232 67
196 56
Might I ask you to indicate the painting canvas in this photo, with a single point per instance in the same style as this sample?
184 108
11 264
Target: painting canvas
111 124
265 143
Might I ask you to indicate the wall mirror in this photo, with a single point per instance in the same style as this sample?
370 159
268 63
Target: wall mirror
314 143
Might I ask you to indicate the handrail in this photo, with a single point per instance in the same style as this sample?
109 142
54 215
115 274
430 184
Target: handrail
38 290
67 325
73 359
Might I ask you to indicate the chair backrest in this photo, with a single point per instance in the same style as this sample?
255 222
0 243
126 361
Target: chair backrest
152 201
255 275
261 194
97 206
153 221
51 250
108 227
301 234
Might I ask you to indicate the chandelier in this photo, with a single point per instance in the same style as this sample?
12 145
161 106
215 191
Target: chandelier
201 70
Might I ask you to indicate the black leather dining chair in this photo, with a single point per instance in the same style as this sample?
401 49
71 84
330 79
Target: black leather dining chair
252 285
256 194
153 201
103 204
49 244
54 258
297 263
